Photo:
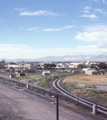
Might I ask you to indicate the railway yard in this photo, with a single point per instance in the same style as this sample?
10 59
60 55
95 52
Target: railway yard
19 98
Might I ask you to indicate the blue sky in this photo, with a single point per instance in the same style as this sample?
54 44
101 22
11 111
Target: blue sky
30 29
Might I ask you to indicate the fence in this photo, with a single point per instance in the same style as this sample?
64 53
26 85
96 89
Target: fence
78 101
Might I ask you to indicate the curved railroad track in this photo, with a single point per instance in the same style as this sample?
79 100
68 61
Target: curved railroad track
83 102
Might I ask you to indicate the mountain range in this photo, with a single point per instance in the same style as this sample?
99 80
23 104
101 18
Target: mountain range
98 58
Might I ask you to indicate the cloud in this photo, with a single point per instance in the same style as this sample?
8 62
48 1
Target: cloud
94 33
8 31
100 11
91 16
20 9
51 29
56 29
104 1
86 9
33 28
46 29
8 51
90 10
67 27
96 0
38 13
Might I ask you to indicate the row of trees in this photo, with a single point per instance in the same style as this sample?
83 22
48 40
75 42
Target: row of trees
101 65
49 66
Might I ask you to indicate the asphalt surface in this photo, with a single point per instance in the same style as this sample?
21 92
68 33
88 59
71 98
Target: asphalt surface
33 107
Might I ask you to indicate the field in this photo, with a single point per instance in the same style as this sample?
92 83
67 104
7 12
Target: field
39 79
93 87
84 80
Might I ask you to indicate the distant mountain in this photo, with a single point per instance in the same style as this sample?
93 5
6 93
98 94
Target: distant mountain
74 58
65 58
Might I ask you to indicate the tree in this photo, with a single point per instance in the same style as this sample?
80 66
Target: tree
49 66
12 63
102 65
82 66
53 65
93 66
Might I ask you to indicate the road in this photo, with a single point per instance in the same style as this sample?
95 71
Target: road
33 107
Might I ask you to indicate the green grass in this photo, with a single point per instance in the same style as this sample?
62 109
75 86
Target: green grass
71 83
96 94
45 81
34 80
22 78
42 81
85 79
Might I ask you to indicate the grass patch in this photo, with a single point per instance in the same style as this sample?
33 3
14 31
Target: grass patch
85 79
34 80
46 81
20 78
43 83
97 95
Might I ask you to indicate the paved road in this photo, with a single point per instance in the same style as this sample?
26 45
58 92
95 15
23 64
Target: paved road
32 107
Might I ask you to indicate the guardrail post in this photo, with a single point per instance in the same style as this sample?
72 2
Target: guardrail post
27 86
94 109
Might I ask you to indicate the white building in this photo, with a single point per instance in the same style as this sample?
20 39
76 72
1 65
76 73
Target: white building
91 72
46 72
31 67
22 67
88 69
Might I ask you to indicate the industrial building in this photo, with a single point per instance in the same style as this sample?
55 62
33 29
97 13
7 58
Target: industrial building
2 64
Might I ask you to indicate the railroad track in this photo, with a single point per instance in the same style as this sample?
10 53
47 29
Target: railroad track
81 101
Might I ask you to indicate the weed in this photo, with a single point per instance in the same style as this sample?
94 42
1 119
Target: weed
34 80
90 86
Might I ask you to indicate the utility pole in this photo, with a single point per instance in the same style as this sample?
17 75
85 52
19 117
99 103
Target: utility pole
57 107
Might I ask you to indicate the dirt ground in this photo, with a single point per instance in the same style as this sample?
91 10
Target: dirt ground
92 87
33 107
82 80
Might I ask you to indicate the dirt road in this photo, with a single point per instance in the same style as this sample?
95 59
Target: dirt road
33 107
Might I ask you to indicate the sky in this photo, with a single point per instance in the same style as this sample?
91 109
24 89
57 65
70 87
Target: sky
31 29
